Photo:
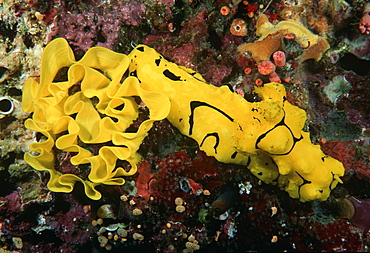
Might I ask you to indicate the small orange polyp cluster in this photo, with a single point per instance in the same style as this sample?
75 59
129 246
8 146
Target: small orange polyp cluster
268 68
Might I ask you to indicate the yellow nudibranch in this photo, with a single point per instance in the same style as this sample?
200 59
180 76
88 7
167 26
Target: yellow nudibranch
264 136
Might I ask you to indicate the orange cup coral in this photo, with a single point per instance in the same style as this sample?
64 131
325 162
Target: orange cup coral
266 67
238 27
279 58
225 10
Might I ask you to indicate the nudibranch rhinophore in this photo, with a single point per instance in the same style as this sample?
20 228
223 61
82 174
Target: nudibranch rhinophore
95 105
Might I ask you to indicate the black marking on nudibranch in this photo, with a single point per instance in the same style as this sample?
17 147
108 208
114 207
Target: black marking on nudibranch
234 155
133 73
249 161
276 179
196 104
120 107
193 75
273 162
332 180
281 123
141 48
171 75
158 61
323 158
304 182
217 140
257 119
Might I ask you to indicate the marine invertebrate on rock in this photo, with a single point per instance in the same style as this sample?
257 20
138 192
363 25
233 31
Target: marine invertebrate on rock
99 26
261 50
6 106
106 211
259 82
4 73
247 71
71 119
273 77
101 31
279 58
336 88
274 239
267 136
357 211
364 24
225 201
166 147
266 67
238 27
313 45
251 9
225 10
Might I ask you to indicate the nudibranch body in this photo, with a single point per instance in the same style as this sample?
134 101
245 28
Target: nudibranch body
265 136
89 111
